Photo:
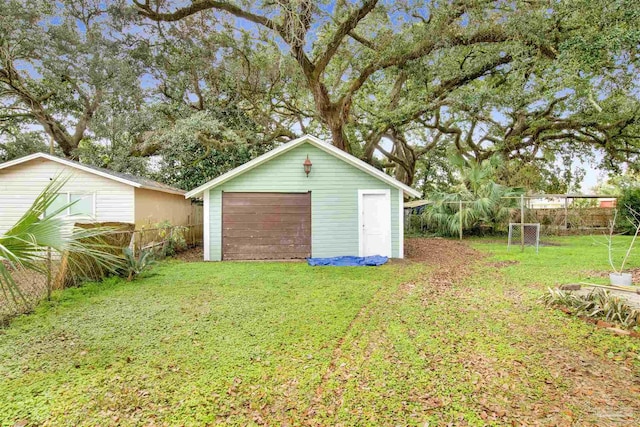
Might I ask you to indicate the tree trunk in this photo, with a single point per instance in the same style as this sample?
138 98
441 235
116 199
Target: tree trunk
334 115
338 138
59 135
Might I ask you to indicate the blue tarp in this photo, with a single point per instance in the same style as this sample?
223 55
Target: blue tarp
349 261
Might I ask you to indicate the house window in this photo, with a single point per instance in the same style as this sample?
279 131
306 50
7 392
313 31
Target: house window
83 204
57 204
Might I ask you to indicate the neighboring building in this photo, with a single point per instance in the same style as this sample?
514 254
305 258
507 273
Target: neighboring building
104 196
415 207
609 202
551 202
271 208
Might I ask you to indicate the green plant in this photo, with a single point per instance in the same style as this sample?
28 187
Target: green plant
598 303
30 241
477 203
629 205
173 236
135 266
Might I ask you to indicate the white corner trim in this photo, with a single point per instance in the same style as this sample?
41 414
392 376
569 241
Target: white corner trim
387 193
348 158
400 224
360 229
206 225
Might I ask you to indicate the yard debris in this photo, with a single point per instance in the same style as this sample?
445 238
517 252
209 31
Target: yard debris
619 331
503 264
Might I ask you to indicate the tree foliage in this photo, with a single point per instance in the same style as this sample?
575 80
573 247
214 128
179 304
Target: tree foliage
402 85
203 146
61 62
477 204
524 79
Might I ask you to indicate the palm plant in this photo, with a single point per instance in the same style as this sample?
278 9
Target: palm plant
42 229
134 266
476 201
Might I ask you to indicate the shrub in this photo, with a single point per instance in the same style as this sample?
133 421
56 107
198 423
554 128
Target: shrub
173 236
135 266
628 203
598 303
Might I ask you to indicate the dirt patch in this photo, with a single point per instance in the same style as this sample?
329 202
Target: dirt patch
453 260
439 251
191 255
503 264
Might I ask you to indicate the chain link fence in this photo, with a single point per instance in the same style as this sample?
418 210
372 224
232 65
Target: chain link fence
557 215
524 235
57 272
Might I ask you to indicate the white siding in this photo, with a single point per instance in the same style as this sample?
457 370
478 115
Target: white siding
21 184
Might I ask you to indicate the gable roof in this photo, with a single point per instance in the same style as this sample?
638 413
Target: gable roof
342 155
132 180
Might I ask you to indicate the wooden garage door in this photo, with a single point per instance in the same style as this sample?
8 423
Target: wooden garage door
266 225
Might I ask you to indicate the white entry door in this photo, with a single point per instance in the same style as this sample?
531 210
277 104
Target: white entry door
375 222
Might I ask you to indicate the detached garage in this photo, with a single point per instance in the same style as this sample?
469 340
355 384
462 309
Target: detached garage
303 199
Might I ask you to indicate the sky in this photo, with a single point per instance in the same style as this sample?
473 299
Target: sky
592 177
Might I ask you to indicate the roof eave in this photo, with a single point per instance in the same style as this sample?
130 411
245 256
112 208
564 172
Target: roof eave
81 167
162 190
365 167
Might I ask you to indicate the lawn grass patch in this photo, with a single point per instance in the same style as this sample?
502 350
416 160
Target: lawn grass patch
448 340
191 343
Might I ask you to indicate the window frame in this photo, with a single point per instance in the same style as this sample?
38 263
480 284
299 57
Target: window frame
67 211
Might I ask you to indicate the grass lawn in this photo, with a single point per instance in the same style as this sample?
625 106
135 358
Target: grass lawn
457 339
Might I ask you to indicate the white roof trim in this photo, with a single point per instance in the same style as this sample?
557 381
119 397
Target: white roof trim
354 161
85 169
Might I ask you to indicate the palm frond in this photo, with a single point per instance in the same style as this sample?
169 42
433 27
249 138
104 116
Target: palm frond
40 229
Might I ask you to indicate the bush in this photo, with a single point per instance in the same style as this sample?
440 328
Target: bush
135 266
598 304
627 204
173 237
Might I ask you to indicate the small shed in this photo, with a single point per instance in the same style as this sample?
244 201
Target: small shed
102 195
305 198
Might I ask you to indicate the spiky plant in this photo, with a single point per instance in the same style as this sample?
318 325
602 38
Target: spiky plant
476 201
40 230
598 304
135 266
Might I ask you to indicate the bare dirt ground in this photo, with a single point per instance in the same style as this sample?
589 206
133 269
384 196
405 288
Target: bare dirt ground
195 254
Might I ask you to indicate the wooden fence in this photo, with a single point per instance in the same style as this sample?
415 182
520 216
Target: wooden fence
167 240
574 219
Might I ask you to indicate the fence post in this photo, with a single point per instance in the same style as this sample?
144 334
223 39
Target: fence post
460 212
566 212
48 273
522 222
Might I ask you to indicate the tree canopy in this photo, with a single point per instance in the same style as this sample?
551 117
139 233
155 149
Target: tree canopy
205 85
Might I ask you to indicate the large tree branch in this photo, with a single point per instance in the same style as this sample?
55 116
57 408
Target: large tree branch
201 5
424 48
363 41
342 31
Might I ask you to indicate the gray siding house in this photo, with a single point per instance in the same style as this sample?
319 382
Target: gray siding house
274 207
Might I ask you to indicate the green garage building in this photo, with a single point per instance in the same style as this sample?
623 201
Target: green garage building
304 198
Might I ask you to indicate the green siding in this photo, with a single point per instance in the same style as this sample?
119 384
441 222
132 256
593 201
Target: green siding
334 186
